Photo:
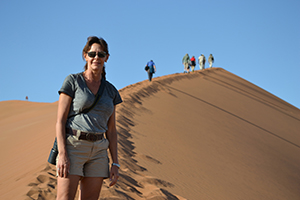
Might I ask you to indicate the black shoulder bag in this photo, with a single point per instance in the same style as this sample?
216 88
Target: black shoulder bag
54 150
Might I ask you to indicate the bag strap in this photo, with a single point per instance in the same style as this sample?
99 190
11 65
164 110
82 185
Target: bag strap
98 96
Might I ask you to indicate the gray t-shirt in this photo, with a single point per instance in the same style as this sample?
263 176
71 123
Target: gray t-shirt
95 121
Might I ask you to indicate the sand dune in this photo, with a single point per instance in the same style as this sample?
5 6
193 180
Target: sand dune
204 135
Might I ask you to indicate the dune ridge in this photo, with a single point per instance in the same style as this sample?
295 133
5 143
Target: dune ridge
204 135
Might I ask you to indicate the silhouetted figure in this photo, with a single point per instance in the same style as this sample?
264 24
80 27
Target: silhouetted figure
185 62
193 63
202 61
151 69
26 98
210 60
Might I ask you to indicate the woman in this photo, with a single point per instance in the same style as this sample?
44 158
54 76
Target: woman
81 145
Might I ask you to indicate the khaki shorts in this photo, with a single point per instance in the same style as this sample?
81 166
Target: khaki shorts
88 159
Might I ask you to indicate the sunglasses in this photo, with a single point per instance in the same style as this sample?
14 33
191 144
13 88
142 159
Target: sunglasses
93 54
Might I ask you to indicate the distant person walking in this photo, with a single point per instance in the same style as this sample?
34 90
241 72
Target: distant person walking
210 60
151 69
193 63
185 62
202 61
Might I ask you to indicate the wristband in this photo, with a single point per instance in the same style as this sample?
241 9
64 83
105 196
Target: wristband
116 164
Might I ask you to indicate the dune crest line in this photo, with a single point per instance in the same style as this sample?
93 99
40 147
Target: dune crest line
200 135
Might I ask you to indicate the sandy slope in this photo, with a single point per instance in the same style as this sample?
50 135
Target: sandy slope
204 135
27 131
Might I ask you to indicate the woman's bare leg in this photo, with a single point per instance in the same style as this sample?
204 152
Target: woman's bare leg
90 188
67 187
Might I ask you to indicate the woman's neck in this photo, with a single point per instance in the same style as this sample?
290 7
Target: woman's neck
91 76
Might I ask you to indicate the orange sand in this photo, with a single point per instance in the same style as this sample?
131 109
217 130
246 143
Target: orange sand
204 135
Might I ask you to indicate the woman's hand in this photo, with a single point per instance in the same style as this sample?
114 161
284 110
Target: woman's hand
114 175
63 165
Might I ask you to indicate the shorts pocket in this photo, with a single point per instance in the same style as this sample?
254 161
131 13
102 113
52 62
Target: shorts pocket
73 142
103 144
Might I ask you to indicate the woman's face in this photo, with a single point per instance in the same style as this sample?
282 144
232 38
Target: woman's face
95 63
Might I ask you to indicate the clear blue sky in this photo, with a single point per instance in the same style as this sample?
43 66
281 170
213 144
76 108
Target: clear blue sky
41 41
